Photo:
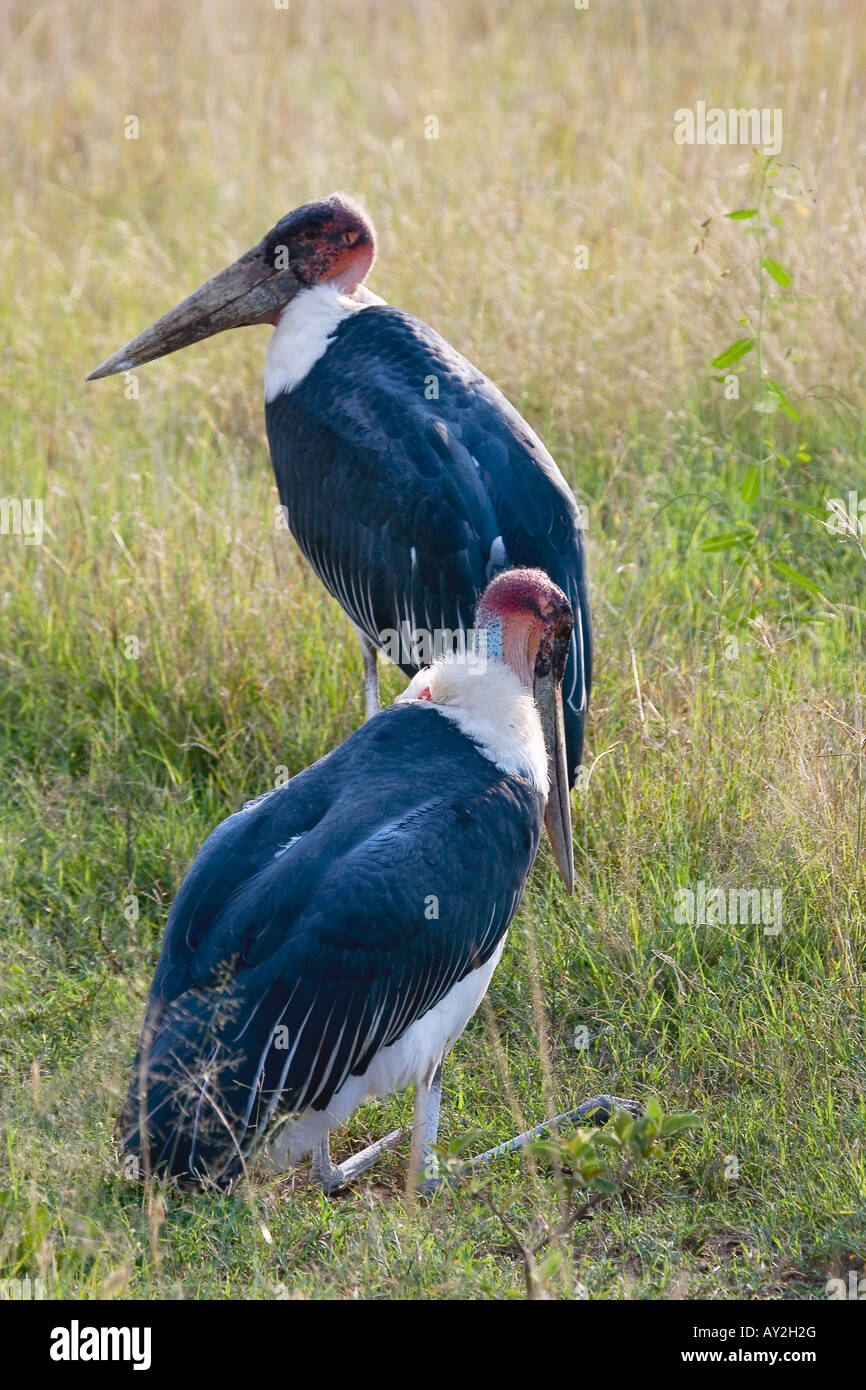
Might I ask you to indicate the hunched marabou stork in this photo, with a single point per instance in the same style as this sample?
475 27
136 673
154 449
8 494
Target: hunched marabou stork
332 940
407 478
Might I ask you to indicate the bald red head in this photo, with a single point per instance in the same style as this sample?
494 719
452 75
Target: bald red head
330 241
533 619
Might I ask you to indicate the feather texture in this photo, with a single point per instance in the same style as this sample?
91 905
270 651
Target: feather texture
316 926
409 481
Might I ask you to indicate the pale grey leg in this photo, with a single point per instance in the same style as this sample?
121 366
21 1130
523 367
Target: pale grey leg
593 1112
428 1100
321 1167
331 1177
369 653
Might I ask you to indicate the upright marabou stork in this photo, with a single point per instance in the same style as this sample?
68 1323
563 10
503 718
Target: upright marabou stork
332 940
407 478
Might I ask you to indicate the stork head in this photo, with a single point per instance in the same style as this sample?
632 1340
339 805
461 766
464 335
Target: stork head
527 621
332 241
329 241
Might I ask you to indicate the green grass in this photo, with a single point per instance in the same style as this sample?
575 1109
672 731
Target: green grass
739 765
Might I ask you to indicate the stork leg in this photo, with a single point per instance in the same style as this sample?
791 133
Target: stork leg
369 653
593 1112
331 1177
596 1111
425 1131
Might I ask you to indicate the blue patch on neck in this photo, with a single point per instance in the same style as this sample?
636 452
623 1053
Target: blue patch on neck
488 641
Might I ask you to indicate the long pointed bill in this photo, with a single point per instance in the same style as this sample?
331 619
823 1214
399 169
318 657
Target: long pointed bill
557 815
250 291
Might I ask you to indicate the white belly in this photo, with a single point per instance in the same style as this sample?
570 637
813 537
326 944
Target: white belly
412 1059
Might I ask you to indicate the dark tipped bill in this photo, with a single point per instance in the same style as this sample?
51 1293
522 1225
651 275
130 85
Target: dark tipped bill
557 815
250 291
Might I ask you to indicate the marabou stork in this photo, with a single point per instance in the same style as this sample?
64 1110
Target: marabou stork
332 940
407 478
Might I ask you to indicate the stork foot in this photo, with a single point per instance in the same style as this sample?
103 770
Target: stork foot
333 1177
599 1110
596 1111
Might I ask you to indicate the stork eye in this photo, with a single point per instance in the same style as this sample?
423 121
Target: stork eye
350 237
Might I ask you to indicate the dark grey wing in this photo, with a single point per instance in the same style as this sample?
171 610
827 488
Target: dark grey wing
409 481
288 963
388 508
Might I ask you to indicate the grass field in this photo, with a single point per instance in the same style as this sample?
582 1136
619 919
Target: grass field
726 741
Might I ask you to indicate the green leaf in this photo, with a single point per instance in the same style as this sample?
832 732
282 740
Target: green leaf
782 402
734 352
673 1124
622 1124
778 272
801 580
589 1171
752 484
742 213
607 1139
605 1185
546 1148
728 541
550 1265
817 513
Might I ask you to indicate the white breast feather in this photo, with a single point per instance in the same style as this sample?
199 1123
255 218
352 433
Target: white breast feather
304 331
492 708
